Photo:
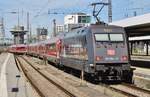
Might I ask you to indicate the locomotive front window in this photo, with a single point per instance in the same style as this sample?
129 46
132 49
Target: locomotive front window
116 37
101 37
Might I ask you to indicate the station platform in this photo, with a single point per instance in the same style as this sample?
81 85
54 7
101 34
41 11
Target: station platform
142 77
140 61
142 58
12 82
142 72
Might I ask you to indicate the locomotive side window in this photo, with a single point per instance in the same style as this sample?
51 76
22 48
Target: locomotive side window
116 37
101 37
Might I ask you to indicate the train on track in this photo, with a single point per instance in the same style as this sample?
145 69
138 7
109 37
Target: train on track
100 50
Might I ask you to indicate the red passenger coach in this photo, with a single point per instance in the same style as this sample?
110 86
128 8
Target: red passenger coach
33 49
12 48
52 49
42 49
19 48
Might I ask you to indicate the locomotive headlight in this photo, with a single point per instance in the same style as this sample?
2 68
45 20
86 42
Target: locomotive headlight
98 58
124 58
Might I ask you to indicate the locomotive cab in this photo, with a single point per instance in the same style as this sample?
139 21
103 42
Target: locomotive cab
110 57
100 50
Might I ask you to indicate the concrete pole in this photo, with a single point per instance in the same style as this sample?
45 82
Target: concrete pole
18 19
2 31
147 49
131 48
110 11
54 29
28 24
28 21
2 28
30 33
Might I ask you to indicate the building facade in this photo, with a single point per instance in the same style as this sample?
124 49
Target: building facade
42 34
59 28
76 20
18 32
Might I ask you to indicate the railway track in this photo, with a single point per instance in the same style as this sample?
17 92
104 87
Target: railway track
21 62
126 90
131 90
22 69
137 88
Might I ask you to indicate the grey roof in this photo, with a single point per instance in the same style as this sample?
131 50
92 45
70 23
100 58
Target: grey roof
139 38
133 21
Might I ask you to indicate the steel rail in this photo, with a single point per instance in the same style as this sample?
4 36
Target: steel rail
118 91
51 81
18 63
136 88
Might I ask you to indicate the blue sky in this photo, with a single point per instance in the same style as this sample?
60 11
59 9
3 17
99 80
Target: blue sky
39 16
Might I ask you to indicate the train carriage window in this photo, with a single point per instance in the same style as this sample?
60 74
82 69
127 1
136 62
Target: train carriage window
101 37
116 37
52 46
75 49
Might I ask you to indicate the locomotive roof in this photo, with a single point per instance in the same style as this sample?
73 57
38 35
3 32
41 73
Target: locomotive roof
103 26
76 32
82 31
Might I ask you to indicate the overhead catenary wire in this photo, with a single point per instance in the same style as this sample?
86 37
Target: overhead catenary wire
43 7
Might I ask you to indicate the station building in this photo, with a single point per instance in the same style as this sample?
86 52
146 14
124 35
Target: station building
138 32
